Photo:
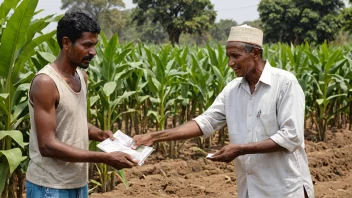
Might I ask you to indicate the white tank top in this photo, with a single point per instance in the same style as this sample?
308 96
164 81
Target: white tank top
72 129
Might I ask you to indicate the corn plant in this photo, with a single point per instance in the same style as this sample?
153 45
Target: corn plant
107 77
324 66
19 40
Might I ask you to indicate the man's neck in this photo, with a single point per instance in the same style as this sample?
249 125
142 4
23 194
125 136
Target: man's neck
64 66
255 76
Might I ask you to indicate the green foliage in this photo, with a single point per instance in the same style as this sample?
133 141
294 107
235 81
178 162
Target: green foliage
298 21
107 12
176 17
146 32
105 95
20 40
256 23
346 17
221 30
323 73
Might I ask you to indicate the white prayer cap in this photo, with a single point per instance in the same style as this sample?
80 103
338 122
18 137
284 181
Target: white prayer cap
246 34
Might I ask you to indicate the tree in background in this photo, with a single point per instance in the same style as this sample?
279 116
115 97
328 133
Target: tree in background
346 15
107 12
176 16
256 23
146 32
221 30
297 21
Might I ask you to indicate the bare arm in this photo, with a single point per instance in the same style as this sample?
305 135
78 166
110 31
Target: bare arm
232 151
44 95
186 131
97 134
266 146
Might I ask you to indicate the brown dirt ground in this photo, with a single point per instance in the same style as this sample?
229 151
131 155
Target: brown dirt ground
191 175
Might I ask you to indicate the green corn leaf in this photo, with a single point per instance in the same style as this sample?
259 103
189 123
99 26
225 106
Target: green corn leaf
18 110
14 158
334 96
109 88
95 182
125 112
142 98
19 121
103 38
124 97
14 35
50 58
312 58
5 8
154 113
320 101
219 77
93 100
331 60
108 68
337 66
15 135
29 51
4 168
121 175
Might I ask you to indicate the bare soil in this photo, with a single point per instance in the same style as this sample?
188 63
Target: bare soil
191 175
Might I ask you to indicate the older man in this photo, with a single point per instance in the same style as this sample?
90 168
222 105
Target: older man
264 112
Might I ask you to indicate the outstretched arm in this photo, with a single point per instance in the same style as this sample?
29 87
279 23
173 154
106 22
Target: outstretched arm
188 130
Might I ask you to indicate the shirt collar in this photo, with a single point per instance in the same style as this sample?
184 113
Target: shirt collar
266 75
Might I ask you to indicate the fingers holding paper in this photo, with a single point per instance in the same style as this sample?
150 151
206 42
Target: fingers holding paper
120 160
145 139
106 134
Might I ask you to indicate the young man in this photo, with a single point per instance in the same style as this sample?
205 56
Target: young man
264 112
60 133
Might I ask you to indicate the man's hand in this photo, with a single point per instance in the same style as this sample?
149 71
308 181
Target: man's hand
227 153
145 139
120 160
102 135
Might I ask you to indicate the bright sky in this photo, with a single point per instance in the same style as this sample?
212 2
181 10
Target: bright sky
237 10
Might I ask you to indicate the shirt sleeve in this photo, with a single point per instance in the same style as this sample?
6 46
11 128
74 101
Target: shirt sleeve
214 117
290 111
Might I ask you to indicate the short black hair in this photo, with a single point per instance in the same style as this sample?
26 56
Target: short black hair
73 24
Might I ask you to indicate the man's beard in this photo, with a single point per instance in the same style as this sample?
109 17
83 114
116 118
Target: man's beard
86 58
83 66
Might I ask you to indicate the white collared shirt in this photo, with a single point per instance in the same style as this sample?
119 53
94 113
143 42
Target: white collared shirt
275 110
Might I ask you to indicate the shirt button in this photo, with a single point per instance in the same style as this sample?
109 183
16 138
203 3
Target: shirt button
251 98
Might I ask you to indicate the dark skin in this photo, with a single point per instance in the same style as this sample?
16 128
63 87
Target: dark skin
45 97
245 64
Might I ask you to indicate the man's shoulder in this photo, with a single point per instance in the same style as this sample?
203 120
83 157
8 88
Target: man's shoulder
42 81
234 83
44 70
283 74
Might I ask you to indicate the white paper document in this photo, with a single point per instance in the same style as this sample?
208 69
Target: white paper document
210 155
123 143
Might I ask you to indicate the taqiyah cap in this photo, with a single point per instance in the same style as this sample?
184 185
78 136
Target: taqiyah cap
246 34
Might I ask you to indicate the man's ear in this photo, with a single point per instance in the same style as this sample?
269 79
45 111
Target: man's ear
66 42
256 52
